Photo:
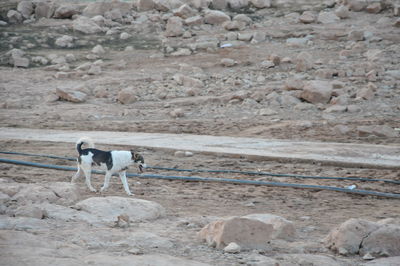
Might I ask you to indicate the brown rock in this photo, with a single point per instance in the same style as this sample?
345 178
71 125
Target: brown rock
385 242
247 233
374 8
377 130
127 96
346 238
317 91
71 95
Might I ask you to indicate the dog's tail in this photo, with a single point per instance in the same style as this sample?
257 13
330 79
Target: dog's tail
82 141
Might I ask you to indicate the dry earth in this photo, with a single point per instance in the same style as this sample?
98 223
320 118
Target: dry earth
247 99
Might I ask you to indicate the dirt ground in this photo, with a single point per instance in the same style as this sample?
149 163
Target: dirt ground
191 205
217 108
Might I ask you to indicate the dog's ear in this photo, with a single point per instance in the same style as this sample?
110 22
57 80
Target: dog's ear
136 157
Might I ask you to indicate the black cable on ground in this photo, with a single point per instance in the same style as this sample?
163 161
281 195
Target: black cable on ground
226 171
212 179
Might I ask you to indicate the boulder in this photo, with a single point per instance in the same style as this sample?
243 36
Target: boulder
383 242
67 192
342 12
215 17
127 96
249 232
282 228
33 193
32 211
317 91
86 25
44 10
346 238
107 209
66 11
174 27
14 17
25 8
17 59
357 5
71 95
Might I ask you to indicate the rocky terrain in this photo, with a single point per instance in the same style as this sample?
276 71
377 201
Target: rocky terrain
290 69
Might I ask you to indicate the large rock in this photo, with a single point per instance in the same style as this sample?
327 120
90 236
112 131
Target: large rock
215 17
185 11
66 11
317 91
44 10
328 17
174 27
17 59
71 95
107 209
383 242
33 193
14 17
347 238
86 25
249 232
283 229
25 8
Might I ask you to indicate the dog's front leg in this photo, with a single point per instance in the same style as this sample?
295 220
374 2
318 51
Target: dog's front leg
122 175
106 181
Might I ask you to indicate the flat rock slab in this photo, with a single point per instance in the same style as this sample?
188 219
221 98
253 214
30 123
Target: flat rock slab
342 154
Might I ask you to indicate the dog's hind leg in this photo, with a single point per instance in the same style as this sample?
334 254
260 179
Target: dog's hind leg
106 181
87 171
122 175
77 174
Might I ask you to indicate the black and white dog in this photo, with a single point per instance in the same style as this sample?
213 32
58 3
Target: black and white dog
110 161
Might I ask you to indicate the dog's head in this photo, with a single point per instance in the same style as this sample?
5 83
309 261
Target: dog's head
137 158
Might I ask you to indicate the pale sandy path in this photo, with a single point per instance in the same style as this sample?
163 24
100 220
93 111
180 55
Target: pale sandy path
381 156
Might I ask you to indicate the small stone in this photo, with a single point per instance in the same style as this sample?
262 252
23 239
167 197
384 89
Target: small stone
98 49
228 62
178 112
368 256
71 95
124 36
342 12
174 27
127 96
328 17
356 35
374 8
308 17
232 248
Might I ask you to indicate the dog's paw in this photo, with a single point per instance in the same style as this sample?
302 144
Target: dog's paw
102 189
92 189
130 194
